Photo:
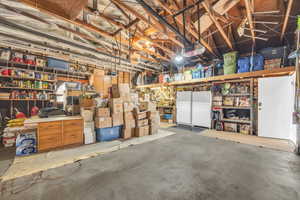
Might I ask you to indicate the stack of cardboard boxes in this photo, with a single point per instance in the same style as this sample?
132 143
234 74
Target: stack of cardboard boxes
136 118
87 114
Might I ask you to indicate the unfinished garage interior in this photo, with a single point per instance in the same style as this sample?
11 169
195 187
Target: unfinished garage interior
150 99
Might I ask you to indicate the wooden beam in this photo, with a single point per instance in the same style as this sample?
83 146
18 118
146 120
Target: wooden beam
221 7
145 20
189 28
92 28
249 17
286 18
218 25
122 26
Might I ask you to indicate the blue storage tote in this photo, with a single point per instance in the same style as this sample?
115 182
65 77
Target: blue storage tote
167 116
243 65
58 64
257 62
108 134
196 74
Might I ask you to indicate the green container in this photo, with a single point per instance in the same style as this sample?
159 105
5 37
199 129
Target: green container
230 58
229 69
298 22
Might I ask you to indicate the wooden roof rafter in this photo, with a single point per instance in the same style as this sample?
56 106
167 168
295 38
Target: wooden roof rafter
125 27
91 28
249 9
286 18
208 8
189 28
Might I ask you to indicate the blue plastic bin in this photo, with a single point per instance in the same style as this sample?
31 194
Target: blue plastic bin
243 64
58 64
167 116
196 74
257 62
108 134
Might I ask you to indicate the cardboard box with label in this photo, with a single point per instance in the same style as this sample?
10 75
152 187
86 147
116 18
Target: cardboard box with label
128 133
103 112
116 105
139 115
117 119
147 105
103 122
143 122
142 131
115 91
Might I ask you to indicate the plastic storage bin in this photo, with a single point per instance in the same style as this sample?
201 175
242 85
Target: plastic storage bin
167 116
108 134
26 144
58 64
257 62
230 58
243 65
196 74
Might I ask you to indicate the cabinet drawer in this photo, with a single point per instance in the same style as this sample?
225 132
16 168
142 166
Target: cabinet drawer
49 142
73 137
73 123
50 125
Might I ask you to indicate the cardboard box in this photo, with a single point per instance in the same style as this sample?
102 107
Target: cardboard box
116 105
153 129
142 131
141 115
143 122
129 123
83 102
124 89
147 105
128 133
129 120
153 115
128 106
126 97
103 112
103 122
87 114
115 91
117 119
128 115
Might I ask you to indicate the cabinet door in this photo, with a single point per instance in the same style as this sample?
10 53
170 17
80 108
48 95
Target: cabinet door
201 108
49 135
184 107
72 132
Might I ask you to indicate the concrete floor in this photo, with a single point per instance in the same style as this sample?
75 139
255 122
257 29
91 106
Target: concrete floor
183 166
7 156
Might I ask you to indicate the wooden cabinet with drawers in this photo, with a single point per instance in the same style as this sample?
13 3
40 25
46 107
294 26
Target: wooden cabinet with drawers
61 133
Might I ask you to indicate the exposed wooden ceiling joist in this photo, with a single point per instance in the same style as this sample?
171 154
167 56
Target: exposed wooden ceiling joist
92 28
218 25
189 28
145 20
249 18
286 18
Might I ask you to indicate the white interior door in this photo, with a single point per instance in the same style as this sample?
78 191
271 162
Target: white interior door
201 109
184 107
275 107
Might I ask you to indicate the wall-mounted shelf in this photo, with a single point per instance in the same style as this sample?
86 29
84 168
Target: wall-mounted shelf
25 99
24 78
18 88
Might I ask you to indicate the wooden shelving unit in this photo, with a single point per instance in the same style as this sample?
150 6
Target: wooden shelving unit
18 88
250 108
